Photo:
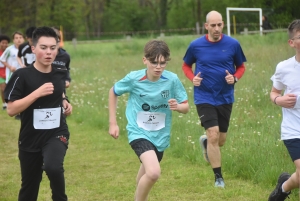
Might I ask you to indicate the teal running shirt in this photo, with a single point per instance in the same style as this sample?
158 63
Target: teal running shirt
147 111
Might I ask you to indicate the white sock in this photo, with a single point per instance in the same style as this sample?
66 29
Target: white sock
283 188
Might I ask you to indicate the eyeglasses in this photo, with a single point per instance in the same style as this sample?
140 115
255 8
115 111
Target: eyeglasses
296 37
155 64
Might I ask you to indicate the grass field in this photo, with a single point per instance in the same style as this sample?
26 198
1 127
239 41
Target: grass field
99 168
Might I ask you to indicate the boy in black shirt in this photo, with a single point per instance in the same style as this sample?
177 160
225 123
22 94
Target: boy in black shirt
25 54
37 92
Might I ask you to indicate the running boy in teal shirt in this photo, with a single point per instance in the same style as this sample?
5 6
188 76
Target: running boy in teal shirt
153 94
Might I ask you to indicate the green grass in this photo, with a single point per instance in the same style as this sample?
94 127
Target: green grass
99 168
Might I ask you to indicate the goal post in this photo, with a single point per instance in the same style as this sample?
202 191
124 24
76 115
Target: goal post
228 9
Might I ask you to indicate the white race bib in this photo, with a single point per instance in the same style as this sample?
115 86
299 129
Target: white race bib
151 121
46 118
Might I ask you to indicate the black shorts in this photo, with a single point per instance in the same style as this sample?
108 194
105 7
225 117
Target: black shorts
142 145
293 147
211 116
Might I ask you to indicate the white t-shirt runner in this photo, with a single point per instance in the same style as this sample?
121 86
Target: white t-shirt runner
287 78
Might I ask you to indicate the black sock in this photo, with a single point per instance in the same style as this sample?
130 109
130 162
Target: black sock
218 172
205 144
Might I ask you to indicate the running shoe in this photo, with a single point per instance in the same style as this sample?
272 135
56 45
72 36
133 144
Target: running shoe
277 194
220 183
202 140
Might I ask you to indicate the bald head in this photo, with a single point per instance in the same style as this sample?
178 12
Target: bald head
214 25
213 15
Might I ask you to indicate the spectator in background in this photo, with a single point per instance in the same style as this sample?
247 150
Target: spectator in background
4 40
266 24
25 55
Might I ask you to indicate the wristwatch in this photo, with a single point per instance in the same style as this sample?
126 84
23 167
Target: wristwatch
235 79
66 98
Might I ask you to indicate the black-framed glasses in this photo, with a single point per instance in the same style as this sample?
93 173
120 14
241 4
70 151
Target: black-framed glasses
154 64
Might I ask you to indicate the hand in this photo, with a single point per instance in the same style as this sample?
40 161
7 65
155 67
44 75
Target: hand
197 80
287 101
173 105
229 78
67 83
45 90
13 69
114 130
68 108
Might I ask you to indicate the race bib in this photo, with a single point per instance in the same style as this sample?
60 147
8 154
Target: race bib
151 121
47 118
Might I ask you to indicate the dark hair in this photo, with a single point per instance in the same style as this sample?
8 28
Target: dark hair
4 37
16 32
43 31
29 32
293 28
155 48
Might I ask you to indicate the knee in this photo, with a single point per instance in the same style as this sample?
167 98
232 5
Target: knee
213 137
222 142
153 175
53 170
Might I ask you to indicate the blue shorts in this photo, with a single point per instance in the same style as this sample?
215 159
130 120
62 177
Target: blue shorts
142 145
293 147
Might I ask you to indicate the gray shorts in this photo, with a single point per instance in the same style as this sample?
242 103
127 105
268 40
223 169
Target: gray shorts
142 145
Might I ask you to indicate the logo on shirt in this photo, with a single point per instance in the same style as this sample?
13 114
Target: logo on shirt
165 93
142 95
156 107
151 118
146 107
61 63
48 115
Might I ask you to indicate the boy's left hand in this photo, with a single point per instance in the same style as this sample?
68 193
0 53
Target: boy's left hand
68 108
173 104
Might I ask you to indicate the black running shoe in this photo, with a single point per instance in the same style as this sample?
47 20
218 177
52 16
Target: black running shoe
277 194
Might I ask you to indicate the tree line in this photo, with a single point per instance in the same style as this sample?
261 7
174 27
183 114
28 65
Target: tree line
89 19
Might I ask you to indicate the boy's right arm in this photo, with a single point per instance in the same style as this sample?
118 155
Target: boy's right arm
18 106
112 107
11 68
20 62
286 101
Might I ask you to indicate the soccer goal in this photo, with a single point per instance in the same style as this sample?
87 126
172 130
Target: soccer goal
228 9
